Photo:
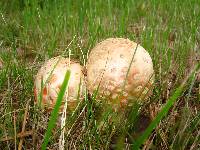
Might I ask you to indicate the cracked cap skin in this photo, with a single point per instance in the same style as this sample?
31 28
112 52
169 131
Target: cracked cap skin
108 64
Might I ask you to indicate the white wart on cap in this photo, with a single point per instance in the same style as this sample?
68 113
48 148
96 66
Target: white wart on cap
51 75
107 67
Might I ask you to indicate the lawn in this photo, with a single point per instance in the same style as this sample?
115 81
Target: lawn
34 31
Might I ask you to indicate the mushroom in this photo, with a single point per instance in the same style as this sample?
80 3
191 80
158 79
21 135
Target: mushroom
50 77
121 71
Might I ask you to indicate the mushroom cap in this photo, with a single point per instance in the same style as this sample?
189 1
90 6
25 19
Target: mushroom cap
107 67
51 76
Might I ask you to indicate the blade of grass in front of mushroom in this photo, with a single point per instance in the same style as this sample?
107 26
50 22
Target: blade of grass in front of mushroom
149 89
43 84
40 97
140 140
94 95
63 116
55 111
72 118
124 84
134 111
123 88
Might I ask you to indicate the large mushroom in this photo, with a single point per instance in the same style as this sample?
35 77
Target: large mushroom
50 77
121 71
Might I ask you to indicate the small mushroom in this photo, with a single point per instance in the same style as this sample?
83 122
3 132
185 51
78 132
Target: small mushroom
122 70
50 77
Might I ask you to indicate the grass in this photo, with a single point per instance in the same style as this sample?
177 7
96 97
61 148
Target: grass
34 31
54 114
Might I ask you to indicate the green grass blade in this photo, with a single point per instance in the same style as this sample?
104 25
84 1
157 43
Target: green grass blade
158 118
140 140
55 111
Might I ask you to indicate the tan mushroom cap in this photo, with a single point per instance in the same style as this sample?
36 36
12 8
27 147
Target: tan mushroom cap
52 74
108 64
